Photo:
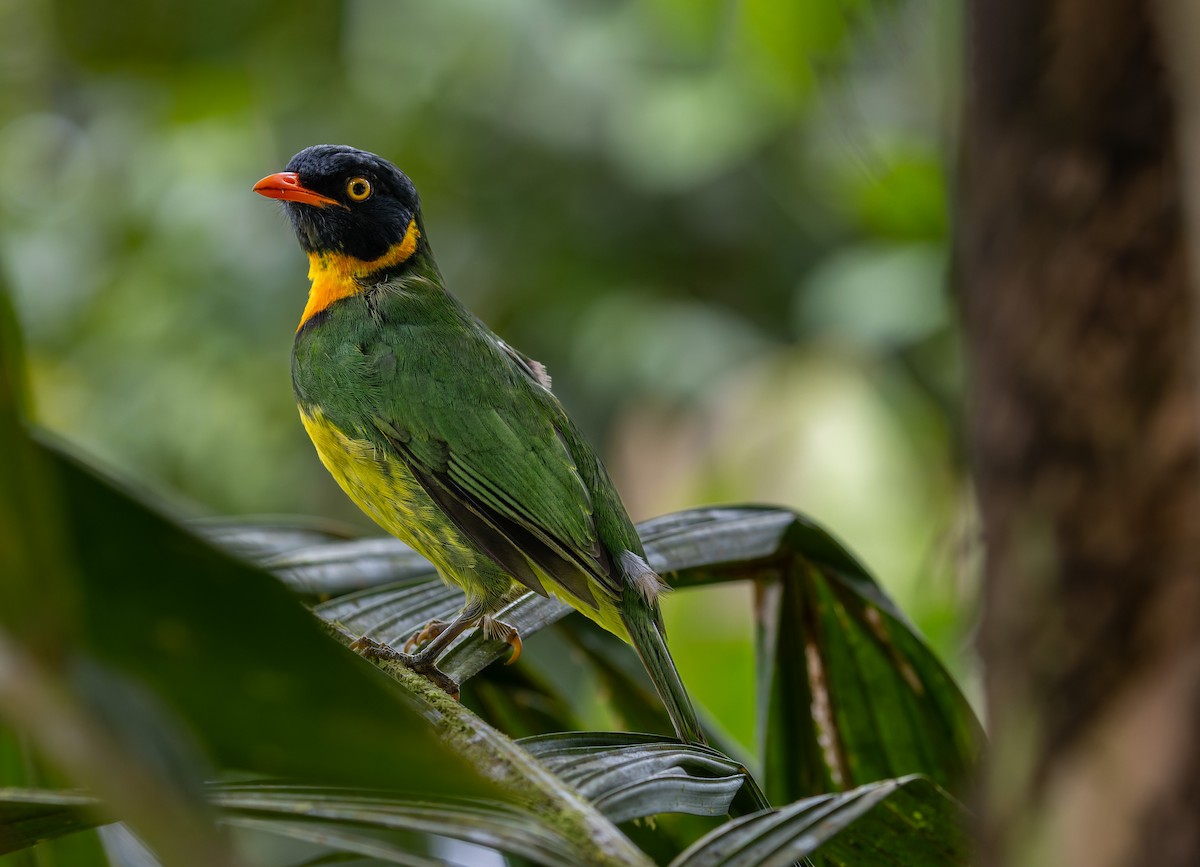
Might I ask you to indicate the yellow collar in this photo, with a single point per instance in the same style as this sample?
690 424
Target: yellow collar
336 276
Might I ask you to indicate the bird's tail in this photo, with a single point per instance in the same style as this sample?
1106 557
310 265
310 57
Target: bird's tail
651 645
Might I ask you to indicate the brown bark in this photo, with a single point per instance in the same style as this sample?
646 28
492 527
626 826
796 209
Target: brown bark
1080 324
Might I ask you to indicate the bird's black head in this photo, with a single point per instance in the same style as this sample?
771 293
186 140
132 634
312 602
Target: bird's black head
345 201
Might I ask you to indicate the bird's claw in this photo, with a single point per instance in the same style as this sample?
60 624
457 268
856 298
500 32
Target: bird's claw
369 648
514 641
505 632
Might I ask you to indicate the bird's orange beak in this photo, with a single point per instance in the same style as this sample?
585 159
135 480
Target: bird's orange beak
287 186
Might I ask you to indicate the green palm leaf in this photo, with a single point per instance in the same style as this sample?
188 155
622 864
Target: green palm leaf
630 776
829 639
908 822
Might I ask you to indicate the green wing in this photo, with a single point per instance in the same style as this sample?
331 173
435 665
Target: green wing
484 438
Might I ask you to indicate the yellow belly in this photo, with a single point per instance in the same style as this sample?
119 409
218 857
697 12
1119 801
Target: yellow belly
383 487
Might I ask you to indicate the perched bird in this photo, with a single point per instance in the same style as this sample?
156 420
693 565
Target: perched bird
446 436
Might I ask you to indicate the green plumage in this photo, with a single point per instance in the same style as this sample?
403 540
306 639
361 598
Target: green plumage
454 442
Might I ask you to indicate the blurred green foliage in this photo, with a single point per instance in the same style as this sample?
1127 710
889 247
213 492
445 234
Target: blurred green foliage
721 225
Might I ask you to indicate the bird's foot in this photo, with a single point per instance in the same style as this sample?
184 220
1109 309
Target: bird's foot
429 631
372 649
501 631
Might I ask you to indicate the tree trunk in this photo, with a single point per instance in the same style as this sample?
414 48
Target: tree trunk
1080 322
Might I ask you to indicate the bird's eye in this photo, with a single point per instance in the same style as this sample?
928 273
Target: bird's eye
358 189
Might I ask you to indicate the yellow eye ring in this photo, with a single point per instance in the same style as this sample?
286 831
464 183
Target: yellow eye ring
358 189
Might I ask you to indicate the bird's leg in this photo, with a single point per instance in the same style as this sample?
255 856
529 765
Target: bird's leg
425 662
369 648
445 633
429 631
501 631
441 635
372 649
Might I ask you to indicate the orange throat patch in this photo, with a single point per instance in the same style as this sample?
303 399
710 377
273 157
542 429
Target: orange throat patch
336 276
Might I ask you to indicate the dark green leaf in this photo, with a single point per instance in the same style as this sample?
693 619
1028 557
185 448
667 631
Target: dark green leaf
849 692
29 816
393 612
908 822
517 700
340 567
76 712
689 545
378 824
329 568
262 537
38 601
19 768
257 682
389 845
628 688
374 817
631 776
